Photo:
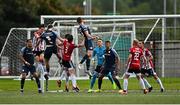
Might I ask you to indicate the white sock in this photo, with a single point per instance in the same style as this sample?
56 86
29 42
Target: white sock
146 83
73 79
160 83
142 83
125 84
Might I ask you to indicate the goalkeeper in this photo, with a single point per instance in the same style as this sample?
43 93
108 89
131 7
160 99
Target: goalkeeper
99 52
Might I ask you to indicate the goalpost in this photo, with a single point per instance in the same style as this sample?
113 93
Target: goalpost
156 24
119 29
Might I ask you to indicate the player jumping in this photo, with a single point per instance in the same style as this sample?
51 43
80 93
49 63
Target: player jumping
50 37
27 57
85 31
38 48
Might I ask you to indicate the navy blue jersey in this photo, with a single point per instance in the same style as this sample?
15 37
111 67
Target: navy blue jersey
49 37
82 29
27 54
110 57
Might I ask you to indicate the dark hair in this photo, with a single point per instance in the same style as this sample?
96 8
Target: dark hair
49 26
107 41
79 19
66 36
41 26
28 40
70 38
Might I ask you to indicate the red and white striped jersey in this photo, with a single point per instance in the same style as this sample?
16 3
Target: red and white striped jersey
149 63
38 43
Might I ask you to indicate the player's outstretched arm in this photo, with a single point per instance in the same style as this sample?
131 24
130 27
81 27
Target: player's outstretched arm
81 44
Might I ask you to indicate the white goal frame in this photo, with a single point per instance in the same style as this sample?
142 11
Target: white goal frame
123 17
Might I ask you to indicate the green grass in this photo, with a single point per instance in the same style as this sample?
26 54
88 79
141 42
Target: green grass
9 93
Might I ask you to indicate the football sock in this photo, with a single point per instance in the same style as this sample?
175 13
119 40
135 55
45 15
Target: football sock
99 83
160 83
88 63
146 83
125 84
22 83
73 79
93 80
38 82
47 69
142 83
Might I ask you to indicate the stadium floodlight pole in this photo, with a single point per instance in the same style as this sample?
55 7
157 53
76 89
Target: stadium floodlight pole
151 30
163 35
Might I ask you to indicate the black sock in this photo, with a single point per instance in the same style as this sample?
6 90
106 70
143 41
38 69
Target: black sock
99 83
38 82
47 78
83 59
22 83
117 83
88 64
47 69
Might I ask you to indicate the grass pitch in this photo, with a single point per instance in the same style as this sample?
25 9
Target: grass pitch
10 94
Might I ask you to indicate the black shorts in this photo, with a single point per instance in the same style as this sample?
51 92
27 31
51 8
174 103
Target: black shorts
98 68
27 69
37 53
67 64
88 44
49 51
136 71
107 70
148 72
